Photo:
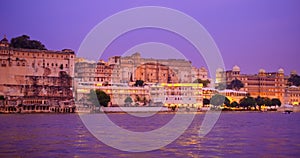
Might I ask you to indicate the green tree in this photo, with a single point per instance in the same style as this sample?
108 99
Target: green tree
259 101
25 42
276 101
99 98
235 84
128 100
267 101
217 100
139 83
206 101
294 79
234 104
227 102
247 102
204 82
221 86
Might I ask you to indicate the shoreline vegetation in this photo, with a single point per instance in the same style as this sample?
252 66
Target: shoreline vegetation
153 109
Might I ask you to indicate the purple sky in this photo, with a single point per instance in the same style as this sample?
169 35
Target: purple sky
253 34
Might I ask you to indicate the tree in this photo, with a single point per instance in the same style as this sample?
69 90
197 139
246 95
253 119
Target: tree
294 80
204 82
235 84
234 104
128 100
221 86
99 98
259 101
206 101
139 83
267 101
263 101
217 100
247 102
25 42
275 101
227 102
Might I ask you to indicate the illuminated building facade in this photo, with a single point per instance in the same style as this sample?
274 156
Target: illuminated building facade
117 92
264 84
132 67
35 78
178 94
293 95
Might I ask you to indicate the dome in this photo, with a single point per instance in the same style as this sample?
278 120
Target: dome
219 70
280 71
4 40
262 71
236 68
293 72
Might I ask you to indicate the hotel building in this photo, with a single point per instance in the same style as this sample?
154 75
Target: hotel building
264 84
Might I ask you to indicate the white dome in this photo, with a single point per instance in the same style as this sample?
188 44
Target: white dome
293 72
236 68
219 70
280 71
262 71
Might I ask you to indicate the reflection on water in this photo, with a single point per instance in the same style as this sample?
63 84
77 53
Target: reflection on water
236 134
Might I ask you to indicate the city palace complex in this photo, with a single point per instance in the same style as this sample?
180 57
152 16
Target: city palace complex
53 81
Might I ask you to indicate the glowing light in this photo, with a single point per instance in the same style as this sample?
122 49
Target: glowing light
99 84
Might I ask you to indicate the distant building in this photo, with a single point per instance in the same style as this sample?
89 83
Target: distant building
130 68
155 73
110 76
293 95
264 84
177 70
117 92
199 73
178 94
233 95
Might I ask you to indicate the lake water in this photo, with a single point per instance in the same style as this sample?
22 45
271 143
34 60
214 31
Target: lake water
236 134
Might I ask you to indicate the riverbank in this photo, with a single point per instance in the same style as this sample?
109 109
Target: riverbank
132 109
